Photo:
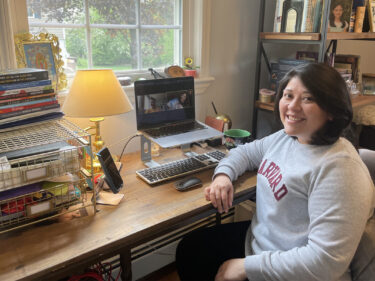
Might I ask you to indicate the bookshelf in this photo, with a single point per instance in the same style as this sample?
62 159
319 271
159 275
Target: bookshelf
316 36
320 39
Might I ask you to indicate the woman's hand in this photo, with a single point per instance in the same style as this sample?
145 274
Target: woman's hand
220 193
233 270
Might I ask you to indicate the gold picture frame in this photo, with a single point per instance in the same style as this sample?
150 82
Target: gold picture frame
41 51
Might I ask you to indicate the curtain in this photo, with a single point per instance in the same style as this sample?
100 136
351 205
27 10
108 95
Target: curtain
7 53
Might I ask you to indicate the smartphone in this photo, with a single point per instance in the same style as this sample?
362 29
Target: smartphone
112 175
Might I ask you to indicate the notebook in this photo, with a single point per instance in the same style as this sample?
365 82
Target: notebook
165 112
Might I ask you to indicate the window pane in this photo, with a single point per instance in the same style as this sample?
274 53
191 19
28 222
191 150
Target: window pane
114 48
113 11
76 48
158 12
72 42
158 47
55 11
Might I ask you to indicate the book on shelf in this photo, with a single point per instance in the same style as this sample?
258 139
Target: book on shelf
312 15
307 55
23 92
352 20
354 14
19 108
278 15
348 62
371 14
15 101
22 85
343 70
22 75
360 16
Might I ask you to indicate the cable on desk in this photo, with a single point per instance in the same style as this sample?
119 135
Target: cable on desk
132 137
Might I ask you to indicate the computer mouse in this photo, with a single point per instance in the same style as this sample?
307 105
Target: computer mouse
187 183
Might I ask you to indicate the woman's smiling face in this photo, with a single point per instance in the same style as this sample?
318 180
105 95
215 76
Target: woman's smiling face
299 113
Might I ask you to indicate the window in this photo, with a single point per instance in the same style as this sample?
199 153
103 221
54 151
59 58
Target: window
124 35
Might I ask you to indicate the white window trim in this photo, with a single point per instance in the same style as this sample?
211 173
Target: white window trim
196 39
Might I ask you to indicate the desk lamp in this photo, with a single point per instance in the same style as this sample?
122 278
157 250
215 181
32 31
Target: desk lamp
94 94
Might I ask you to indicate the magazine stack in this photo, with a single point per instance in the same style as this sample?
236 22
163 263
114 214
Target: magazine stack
26 97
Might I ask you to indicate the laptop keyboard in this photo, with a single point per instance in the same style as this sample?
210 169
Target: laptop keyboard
174 129
181 167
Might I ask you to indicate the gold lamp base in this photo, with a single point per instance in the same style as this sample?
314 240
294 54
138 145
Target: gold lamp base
97 144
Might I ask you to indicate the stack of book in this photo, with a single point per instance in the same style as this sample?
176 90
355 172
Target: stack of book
282 67
26 96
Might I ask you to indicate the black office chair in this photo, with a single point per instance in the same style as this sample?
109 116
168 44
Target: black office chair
363 264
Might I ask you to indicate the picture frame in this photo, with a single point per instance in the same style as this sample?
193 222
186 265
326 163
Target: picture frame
339 15
41 51
349 63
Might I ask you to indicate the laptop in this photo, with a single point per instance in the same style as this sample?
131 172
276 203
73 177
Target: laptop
165 112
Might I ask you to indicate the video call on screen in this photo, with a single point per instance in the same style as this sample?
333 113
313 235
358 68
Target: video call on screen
164 101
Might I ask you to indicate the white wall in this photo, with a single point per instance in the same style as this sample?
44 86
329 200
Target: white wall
234 28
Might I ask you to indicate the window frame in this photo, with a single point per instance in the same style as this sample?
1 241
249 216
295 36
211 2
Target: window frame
196 17
88 27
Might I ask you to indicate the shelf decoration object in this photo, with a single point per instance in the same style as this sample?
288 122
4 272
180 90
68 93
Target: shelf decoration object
291 19
371 14
94 94
41 51
339 16
189 68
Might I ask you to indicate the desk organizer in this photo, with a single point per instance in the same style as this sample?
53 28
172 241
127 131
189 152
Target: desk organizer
40 172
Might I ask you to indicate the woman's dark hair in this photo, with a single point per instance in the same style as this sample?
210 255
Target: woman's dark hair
331 94
332 17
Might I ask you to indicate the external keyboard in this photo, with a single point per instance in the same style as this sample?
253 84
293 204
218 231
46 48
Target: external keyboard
181 167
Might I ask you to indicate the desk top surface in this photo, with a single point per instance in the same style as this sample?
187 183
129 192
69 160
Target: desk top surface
144 211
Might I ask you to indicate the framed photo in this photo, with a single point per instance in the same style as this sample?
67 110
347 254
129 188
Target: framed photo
41 51
339 15
348 64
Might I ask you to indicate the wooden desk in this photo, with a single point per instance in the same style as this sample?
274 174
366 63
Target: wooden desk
52 251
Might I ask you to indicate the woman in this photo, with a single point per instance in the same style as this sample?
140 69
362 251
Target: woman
336 23
314 194
178 102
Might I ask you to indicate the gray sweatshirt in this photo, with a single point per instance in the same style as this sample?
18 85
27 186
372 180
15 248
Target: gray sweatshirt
311 210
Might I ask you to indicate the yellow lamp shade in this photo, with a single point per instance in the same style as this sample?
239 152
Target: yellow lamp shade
96 93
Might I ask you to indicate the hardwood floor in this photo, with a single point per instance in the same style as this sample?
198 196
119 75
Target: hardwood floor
167 273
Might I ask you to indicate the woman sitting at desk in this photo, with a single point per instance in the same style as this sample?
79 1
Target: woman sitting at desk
314 194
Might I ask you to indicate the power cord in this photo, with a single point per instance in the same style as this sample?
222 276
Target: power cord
132 137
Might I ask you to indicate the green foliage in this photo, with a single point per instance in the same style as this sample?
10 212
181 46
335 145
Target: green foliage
115 48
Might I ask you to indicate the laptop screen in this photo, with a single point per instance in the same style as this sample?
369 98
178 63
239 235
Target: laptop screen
164 101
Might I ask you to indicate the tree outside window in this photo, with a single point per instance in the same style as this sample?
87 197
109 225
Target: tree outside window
124 35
